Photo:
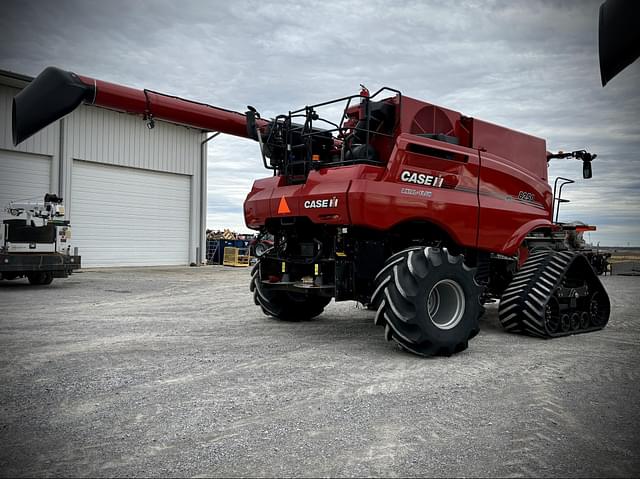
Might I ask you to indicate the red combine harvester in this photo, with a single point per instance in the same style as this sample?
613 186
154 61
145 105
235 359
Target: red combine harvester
417 211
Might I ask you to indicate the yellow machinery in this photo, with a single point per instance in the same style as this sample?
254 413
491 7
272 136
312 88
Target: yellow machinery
236 256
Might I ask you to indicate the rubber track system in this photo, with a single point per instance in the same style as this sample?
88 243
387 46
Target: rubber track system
534 303
401 296
283 305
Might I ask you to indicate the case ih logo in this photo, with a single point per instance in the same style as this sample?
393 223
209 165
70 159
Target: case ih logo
325 203
421 179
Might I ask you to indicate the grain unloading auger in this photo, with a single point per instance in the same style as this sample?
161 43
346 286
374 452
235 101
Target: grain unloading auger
419 212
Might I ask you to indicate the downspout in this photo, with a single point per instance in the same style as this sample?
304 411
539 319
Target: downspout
203 198
62 169
61 154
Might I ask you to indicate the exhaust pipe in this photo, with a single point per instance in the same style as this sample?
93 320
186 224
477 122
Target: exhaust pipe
52 95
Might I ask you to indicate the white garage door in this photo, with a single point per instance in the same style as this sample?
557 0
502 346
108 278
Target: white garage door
128 217
23 176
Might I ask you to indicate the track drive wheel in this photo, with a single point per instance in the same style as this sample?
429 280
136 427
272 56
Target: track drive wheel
285 305
40 278
598 309
428 301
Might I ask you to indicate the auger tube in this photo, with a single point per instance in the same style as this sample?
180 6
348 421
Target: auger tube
55 93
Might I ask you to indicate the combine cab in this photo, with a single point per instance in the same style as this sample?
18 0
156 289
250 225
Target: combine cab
418 211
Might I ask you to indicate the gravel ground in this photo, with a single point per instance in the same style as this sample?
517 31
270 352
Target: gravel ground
175 372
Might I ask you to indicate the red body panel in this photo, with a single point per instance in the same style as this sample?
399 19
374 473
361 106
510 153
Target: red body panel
512 202
477 204
390 201
526 151
330 184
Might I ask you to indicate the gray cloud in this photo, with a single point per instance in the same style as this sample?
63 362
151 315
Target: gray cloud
530 65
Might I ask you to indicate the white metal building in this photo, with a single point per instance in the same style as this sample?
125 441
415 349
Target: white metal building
134 196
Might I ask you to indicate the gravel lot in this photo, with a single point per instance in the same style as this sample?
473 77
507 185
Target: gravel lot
175 372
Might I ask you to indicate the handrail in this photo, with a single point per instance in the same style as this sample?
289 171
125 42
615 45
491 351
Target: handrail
558 199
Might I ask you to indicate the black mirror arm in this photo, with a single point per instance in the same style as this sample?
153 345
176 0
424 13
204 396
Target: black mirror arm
583 155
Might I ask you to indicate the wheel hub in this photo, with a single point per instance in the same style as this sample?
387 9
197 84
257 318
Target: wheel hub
446 304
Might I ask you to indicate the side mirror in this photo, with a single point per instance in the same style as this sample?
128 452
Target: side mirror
586 170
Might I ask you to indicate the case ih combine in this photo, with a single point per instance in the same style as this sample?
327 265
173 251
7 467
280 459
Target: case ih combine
415 210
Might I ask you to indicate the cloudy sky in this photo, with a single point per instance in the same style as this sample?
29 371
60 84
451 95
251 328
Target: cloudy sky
531 65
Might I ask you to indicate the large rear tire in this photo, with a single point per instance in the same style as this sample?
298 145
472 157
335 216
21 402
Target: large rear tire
285 305
428 301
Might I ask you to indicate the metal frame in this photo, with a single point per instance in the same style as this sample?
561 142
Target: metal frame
557 200
307 132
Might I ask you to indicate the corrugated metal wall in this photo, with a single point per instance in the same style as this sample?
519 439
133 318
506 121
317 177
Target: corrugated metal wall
44 143
104 136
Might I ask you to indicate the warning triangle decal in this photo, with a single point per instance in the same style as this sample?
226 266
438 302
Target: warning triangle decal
283 207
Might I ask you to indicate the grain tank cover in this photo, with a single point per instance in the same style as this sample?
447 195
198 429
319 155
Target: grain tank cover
527 151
